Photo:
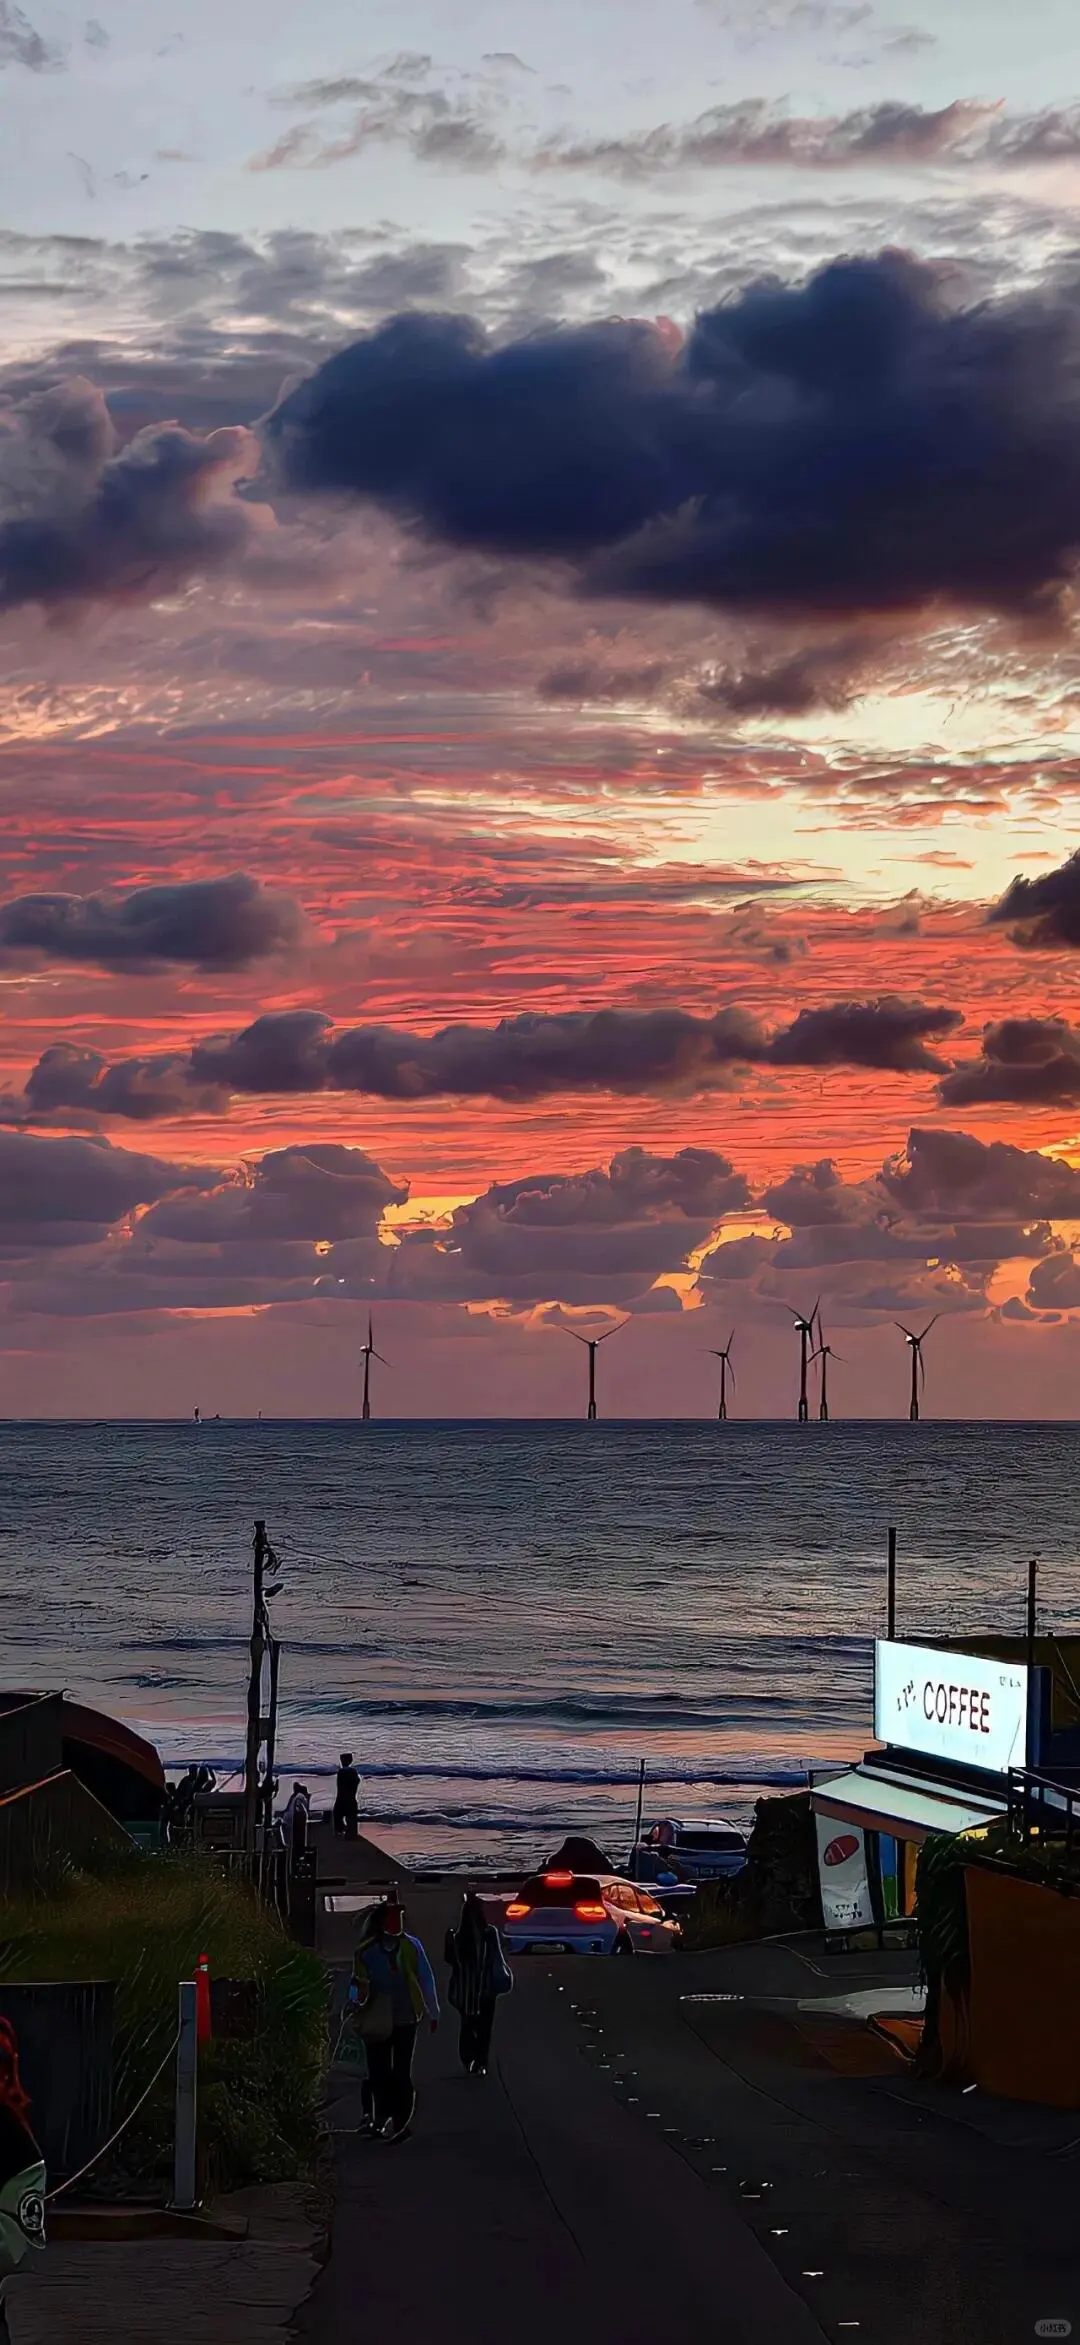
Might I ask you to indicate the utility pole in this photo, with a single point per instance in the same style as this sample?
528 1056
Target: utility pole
261 1725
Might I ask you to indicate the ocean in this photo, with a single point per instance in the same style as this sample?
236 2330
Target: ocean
501 1620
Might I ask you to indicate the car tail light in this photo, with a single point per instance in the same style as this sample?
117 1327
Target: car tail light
591 1913
558 1880
516 1913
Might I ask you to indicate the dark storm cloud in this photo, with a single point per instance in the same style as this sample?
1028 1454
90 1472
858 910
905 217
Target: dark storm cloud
206 923
69 1192
890 1034
1046 911
528 1057
82 519
859 442
1026 1062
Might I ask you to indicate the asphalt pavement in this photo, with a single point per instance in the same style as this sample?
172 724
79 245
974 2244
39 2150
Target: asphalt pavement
686 2138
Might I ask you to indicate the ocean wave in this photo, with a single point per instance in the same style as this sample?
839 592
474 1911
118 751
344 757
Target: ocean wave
670 1773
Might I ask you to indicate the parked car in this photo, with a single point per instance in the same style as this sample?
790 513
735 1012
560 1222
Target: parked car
584 1913
707 1851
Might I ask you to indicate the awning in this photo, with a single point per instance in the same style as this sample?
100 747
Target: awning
904 1805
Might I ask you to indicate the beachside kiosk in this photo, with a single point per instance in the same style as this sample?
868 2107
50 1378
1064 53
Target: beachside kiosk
952 1724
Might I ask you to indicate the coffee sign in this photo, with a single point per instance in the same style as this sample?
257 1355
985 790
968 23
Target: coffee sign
957 1706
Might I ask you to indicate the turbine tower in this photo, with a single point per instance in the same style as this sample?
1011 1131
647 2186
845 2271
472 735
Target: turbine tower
804 1329
369 1354
918 1366
824 1353
592 1343
726 1370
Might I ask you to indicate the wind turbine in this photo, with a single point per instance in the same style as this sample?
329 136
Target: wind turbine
824 1353
593 1343
369 1354
726 1370
804 1329
918 1368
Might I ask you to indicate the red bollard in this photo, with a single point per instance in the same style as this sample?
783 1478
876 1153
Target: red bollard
203 2025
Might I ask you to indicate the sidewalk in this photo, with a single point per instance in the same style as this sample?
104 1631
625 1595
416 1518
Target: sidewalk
163 2291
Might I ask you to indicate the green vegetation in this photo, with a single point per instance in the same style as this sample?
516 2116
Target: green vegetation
776 1891
143 1921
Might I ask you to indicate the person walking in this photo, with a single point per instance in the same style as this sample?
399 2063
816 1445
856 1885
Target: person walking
479 1974
395 1990
347 1803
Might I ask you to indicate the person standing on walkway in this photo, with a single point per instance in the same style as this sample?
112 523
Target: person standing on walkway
347 1803
479 1974
395 1989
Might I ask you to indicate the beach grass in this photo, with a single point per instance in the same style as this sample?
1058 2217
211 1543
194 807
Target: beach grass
142 1921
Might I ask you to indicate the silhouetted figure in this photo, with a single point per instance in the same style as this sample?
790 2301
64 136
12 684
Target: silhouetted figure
347 1802
479 1974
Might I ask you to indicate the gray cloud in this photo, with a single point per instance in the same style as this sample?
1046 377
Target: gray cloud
601 1236
205 923
528 1057
756 131
70 1192
22 44
82 519
926 1232
300 1225
1046 910
1025 1062
891 1034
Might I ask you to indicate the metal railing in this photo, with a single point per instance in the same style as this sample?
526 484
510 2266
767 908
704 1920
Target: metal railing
1040 1808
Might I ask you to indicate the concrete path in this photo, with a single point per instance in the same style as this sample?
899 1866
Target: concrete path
173 2292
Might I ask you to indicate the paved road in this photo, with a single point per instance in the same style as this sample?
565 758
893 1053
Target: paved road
639 2158
534 2197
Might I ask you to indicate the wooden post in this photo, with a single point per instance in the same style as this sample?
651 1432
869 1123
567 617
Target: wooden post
890 1598
640 1802
1032 1607
254 1699
185 2149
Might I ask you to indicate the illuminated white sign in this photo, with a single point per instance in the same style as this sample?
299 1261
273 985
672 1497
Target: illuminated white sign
956 1706
846 1903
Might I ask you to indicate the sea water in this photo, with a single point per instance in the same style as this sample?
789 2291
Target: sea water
501 1620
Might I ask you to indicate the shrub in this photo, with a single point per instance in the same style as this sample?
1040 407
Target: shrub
143 1921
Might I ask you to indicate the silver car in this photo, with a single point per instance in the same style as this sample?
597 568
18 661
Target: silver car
586 1913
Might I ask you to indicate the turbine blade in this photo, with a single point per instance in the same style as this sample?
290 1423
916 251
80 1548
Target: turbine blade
904 1330
380 1356
731 1373
929 1324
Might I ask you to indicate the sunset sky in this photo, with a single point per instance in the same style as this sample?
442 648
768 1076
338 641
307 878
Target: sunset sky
539 703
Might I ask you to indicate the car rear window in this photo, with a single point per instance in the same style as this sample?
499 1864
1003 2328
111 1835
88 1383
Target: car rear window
575 1889
705 1842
